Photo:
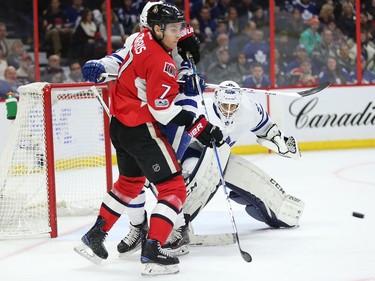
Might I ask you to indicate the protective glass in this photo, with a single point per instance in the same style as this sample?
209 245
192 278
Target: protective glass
174 29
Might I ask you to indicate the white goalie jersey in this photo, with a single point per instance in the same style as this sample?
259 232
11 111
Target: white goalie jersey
263 197
249 118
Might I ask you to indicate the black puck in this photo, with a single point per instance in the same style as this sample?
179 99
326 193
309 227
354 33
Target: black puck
358 215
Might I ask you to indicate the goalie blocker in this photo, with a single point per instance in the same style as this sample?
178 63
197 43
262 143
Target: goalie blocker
263 197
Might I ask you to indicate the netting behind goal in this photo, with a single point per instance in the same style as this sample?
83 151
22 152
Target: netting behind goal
57 157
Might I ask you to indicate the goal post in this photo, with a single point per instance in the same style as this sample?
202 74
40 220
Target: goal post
57 158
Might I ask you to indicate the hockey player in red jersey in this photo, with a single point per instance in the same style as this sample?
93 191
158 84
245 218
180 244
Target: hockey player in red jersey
141 99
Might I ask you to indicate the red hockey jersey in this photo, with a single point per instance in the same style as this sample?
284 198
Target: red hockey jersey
146 86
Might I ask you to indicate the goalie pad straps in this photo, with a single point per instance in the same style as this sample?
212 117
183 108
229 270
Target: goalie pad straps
276 141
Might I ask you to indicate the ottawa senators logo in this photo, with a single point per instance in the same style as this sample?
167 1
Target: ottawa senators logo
170 69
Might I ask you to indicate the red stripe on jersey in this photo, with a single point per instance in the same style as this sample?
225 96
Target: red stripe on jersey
168 146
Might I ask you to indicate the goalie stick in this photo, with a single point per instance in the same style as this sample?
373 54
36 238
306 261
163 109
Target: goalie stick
299 94
108 75
245 255
210 239
100 99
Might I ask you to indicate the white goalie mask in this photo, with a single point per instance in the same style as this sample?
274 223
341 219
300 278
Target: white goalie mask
227 100
143 16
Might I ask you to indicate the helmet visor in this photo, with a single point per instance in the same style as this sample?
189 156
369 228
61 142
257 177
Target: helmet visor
174 29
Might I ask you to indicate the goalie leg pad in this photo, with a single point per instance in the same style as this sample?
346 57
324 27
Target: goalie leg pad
261 191
203 182
256 208
291 210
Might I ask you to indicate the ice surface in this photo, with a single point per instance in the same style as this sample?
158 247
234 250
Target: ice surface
329 245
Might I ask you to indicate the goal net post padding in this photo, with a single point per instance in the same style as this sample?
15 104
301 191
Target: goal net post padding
56 160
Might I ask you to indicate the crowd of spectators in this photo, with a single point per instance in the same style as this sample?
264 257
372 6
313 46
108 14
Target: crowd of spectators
315 40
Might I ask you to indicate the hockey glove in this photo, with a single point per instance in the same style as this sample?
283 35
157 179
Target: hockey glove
189 43
276 141
205 132
91 71
189 88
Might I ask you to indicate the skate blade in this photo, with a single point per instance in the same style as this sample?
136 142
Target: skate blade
183 250
154 269
127 254
87 253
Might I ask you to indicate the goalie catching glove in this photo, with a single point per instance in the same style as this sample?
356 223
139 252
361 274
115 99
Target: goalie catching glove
205 132
276 141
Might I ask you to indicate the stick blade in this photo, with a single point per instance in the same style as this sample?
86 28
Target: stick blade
246 256
315 90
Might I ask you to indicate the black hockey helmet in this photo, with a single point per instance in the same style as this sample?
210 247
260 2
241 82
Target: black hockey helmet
162 14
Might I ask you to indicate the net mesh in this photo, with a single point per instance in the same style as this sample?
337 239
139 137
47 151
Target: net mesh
79 157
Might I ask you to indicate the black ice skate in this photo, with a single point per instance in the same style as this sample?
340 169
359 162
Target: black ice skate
156 260
93 247
132 241
178 241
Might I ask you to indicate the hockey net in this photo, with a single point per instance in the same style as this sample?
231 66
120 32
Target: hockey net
56 160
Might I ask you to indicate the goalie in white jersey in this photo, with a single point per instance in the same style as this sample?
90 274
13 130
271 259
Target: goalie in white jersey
236 114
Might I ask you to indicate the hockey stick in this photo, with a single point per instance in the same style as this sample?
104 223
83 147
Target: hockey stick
108 75
100 99
210 239
299 94
246 256
202 239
